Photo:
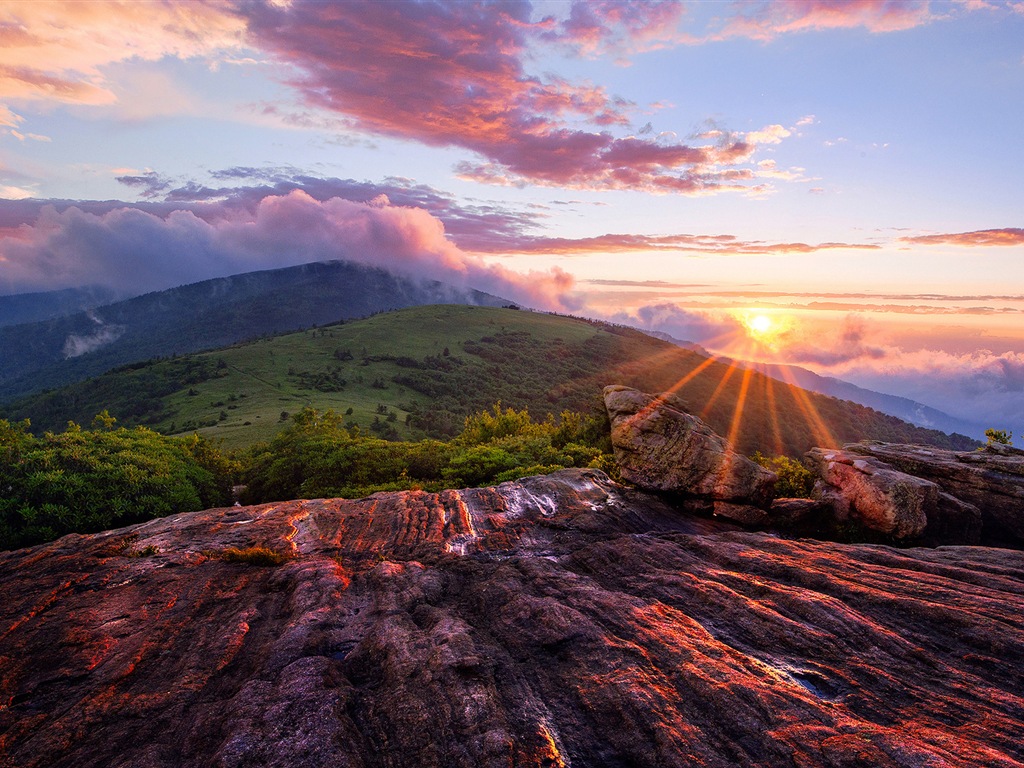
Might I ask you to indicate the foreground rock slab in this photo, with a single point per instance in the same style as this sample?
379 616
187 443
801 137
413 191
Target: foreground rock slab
555 621
660 447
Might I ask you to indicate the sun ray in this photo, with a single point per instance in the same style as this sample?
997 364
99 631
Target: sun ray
656 403
729 371
737 414
744 348
691 375
773 414
819 429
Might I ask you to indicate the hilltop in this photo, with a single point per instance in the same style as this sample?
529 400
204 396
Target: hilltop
420 371
21 308
205 315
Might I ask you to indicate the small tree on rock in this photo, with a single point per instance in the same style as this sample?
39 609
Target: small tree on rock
999 436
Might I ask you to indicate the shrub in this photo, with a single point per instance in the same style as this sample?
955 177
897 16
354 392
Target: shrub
795 480
317 456
487 426
84 481
262 556
999 436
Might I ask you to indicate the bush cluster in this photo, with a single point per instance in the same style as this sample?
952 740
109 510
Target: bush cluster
795 480
316 456
87 480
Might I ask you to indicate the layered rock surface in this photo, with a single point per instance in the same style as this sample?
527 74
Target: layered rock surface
899 493
867 491
558 621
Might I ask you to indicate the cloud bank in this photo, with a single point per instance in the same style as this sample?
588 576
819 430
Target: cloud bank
982 387
442 74
134 250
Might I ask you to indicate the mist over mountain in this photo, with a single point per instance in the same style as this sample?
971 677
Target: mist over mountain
206 315
33 307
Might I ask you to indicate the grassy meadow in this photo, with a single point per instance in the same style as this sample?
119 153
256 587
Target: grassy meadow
419 372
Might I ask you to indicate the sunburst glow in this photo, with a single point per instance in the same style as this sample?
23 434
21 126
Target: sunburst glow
762 327
761 324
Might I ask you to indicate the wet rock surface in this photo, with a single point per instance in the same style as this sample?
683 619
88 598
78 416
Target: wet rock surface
556 621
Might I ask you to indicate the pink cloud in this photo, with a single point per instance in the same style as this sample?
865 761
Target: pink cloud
620 243
765 20
981 237
770 134
55 51
682 324
453 75
441 74
132 249
612 27
9 119
478 226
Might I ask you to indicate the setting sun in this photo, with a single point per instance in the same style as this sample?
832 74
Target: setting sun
760 325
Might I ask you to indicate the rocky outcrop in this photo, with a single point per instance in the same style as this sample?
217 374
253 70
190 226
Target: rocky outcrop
991 479
867 491
556 621
660 447
864 491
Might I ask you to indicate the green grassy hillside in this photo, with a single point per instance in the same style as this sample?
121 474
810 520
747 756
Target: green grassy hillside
206 315
418 372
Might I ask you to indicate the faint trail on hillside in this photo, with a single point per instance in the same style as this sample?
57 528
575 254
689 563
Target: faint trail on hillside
254 376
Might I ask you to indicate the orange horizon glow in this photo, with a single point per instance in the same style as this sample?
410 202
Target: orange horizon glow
746 349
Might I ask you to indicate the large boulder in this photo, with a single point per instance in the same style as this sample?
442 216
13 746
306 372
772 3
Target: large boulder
991 479
865 490
660 447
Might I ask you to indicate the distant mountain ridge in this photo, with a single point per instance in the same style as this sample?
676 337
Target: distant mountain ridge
33 307
902 407
420 371
206 315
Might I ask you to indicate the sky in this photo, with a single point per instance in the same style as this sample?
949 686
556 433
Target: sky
835 185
